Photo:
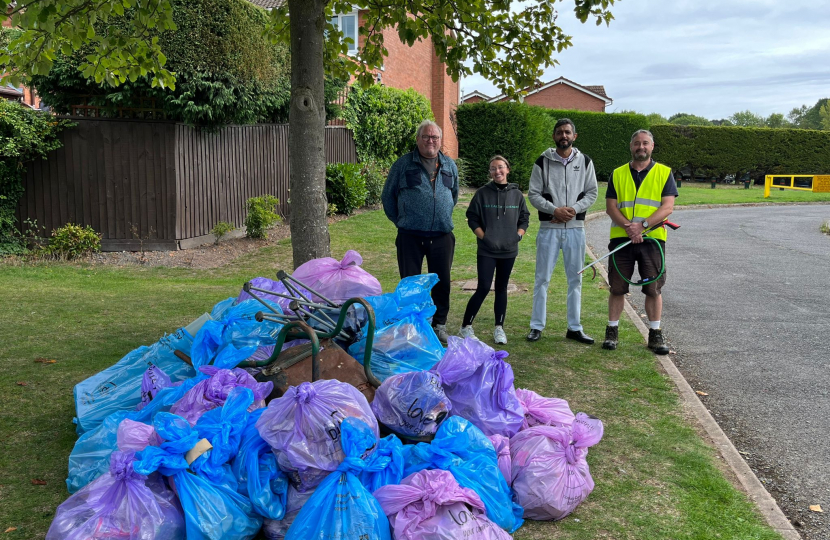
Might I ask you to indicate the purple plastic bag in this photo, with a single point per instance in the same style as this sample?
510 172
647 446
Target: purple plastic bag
120 504
543 411
502 446
276 529
154 379
431 505
213 392
479 383
274 286
135 436
412 404
338 280
550 474
303 428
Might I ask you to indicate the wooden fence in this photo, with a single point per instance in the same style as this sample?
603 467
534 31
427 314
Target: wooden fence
161 185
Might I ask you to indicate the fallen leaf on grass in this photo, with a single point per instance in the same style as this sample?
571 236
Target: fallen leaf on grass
10 529
22 383
45 361
36 482
816 508
701 393
634 389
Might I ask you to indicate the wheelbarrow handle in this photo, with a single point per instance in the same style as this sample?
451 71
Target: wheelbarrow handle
294 329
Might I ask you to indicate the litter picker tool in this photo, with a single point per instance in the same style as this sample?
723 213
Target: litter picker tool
664 223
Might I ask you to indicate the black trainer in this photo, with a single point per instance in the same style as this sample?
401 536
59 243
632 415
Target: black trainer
534 335
611 333
656 342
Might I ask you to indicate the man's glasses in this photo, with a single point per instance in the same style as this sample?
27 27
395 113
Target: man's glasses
433 138
499 168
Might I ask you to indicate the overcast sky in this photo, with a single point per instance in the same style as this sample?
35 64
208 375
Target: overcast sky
701 57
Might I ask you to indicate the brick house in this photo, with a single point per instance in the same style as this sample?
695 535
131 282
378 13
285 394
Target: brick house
407 67
560 93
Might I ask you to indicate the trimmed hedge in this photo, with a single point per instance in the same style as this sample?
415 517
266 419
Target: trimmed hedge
522 132
719 151
516 131
384 121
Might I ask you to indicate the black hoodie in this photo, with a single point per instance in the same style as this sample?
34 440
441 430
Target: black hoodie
500 213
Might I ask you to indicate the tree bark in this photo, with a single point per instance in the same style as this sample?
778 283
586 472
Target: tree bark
306 138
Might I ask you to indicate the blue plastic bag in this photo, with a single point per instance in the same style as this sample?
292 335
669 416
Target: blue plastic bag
90 456
237 326
118 388
404 338
212 511
257 474
341 506
462 449
385 465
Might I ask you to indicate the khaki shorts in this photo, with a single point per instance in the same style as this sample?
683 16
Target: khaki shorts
647 258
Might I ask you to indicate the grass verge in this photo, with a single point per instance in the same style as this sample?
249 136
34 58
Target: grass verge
655 478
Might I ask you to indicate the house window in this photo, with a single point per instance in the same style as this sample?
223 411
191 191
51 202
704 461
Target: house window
347 24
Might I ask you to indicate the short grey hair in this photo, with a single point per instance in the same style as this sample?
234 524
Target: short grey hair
641 132
426 123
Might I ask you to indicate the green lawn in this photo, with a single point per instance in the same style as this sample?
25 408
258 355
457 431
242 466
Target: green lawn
655 477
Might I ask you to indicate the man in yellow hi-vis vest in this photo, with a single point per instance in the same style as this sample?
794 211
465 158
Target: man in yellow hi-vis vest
640 194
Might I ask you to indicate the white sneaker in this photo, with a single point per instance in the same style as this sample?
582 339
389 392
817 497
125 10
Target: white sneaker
467 331
441 332
499 336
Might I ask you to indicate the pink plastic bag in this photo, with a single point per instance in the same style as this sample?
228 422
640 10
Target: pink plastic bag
502 446
550 474
212 392
479 383
543 411
338 280
430 505
303 428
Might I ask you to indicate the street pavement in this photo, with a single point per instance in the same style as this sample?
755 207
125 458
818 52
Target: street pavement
747 310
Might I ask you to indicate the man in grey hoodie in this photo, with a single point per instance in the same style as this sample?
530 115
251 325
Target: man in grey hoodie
563 185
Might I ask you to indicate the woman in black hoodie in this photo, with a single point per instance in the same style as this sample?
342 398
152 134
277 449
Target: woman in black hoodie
499 218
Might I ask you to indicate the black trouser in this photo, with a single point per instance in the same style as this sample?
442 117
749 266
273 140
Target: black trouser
438 251
487 266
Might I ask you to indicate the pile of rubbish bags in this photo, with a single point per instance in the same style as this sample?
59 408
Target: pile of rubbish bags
179 442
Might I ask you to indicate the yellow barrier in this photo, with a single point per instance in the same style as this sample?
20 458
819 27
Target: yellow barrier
817 183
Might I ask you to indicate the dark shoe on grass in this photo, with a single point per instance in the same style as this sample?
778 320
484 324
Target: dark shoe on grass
611 333
580 336
656 342
534 335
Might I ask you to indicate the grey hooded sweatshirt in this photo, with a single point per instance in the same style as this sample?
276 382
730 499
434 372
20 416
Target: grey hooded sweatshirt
553 185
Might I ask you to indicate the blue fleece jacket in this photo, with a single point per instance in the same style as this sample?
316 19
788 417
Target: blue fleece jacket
413 203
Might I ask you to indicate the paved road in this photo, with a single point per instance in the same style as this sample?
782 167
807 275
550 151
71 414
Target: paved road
747 308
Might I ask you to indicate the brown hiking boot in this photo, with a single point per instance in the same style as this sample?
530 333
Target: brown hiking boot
611 333
656 343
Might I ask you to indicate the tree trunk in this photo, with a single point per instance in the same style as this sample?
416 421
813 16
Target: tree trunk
306 138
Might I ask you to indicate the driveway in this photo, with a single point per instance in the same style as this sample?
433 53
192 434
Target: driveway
747 309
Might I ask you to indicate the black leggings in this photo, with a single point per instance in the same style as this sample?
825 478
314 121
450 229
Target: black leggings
487 266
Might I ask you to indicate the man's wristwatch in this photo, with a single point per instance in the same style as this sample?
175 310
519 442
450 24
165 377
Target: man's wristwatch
645 224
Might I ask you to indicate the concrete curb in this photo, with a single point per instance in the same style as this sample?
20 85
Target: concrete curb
754 488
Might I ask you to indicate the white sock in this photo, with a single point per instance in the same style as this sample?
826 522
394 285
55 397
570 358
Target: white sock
654 325
614 323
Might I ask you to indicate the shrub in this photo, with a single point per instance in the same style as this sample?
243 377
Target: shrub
345 186
715 152
462 166
384 121
261 216
72 241
516 131
221 229
374 176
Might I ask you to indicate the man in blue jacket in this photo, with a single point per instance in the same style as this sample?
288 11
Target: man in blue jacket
418 197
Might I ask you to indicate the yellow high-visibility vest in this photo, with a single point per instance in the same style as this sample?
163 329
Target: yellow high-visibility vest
637 205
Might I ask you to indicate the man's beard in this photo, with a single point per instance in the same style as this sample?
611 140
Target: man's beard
563 144
645 156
